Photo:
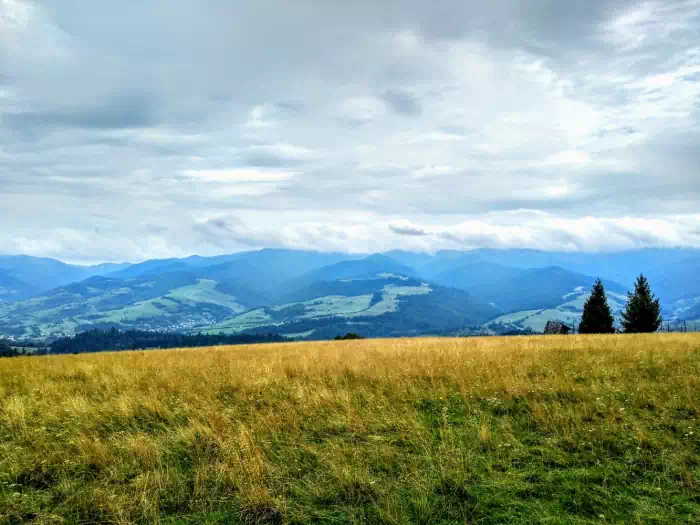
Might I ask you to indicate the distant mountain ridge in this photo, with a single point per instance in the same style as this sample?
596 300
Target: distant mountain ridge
406 292
41 273
345 270
622 267
513 289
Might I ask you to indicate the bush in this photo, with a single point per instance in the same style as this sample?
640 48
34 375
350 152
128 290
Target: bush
347 336
7 351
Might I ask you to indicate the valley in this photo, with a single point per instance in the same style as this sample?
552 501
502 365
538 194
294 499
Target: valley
313 295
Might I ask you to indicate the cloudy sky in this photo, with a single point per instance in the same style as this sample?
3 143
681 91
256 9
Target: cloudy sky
131 130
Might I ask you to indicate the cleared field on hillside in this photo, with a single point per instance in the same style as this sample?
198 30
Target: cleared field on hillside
556 430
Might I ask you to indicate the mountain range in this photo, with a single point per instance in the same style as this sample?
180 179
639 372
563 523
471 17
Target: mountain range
306 294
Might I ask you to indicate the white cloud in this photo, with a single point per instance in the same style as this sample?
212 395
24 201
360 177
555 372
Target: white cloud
433 171
358 124
284 151
14 14
630 28
261 117
361 110
238 175
548 232
569 157
406 42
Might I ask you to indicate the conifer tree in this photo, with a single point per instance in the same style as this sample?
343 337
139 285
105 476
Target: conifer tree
643 312
597 317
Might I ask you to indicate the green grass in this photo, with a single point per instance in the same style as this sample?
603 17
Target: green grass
205 292
178 307
327 306
335 305
249 319
549 430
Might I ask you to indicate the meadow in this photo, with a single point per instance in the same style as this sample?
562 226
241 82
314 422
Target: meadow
551 430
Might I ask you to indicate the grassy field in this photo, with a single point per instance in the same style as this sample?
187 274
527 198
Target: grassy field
555 430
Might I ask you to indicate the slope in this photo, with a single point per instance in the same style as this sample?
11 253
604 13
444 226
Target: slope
477 274
513 289
379 305
568 311
267 270
172 301
42 274
12 289
677 280
622 267
367 267
537 288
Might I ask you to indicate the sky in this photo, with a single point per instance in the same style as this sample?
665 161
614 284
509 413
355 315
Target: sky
135 130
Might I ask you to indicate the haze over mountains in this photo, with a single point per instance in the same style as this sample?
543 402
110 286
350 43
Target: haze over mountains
308 294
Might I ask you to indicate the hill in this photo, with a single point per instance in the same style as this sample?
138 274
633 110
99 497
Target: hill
248 289
153 266
512 289
269 271
477 275
203 297
170 301
380 305
680 282
12 289
568 310
559 430
352 269
621 267
261 269
40 274
677 280
537 288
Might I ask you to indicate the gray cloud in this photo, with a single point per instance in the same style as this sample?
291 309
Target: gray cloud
120 112
220 232
406 228
359 126
275 155
402 102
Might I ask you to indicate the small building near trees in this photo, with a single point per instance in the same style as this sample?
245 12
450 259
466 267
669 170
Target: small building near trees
555 327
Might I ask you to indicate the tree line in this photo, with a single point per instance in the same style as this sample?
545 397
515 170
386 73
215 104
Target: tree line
6 350
115 340
642 314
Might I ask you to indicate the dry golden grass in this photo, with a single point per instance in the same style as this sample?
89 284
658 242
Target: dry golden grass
570 429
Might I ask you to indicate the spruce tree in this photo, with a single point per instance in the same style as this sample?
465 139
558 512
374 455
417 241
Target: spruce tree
643 312
597 317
